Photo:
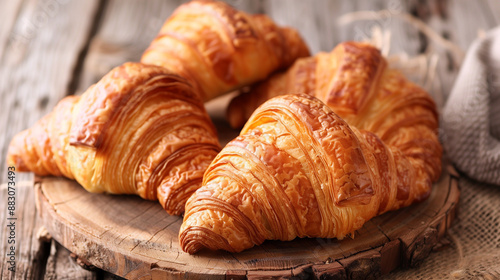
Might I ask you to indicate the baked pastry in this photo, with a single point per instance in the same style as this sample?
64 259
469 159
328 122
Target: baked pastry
355 81
220 49
299 170
139 130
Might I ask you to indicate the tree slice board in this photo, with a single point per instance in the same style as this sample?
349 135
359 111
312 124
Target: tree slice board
137 239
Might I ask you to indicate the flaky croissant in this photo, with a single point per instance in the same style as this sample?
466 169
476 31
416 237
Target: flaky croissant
219 48
355 81
139 130
297 170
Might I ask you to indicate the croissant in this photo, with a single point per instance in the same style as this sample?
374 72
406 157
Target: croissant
139 130
219 48
297 170
356 83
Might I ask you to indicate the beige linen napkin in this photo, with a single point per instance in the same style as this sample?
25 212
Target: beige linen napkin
471 115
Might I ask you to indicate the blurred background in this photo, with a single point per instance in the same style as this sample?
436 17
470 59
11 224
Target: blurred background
53 48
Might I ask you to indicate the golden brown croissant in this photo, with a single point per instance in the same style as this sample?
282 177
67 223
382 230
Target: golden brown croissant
297 170
139 130
219 48
356 83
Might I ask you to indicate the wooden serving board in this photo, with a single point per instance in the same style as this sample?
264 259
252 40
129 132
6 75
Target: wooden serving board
137 239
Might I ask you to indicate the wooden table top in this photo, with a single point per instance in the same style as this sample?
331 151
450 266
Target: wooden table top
53 48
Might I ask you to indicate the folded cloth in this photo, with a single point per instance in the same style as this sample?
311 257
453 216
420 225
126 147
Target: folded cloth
471 115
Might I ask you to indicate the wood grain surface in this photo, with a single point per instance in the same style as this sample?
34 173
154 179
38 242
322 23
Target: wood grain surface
134 238
53 48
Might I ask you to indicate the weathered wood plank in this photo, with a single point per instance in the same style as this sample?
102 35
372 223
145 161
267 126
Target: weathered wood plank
461 22
126 29
8 14
468 18
60 265
38 61
40 46
21 246
493 7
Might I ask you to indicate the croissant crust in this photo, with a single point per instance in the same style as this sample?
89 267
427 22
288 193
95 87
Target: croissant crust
140 130
219 48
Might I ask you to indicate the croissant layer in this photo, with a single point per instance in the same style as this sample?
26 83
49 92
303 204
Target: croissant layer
297 170
139 130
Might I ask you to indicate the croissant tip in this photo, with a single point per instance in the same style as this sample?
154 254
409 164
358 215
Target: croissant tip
14 152
190 241
194 239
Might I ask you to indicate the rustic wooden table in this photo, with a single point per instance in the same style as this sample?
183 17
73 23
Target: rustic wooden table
53 48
